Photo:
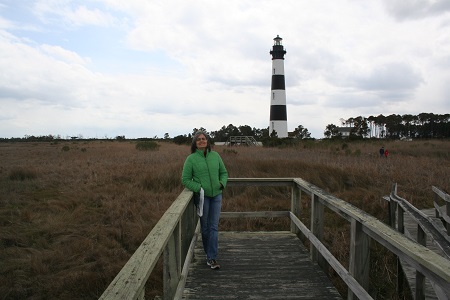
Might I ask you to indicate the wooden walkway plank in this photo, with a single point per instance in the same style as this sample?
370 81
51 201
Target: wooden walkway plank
258 265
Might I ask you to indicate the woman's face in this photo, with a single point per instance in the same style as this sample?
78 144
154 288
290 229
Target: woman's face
201 142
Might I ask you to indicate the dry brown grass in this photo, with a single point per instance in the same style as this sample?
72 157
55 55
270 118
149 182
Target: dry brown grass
72 213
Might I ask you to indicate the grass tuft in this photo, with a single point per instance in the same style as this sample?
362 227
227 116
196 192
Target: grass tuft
147 146
22 174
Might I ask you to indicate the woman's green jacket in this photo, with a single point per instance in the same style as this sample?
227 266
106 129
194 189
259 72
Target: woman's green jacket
207 172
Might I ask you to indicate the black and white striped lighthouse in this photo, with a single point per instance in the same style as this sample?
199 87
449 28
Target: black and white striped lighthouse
278 112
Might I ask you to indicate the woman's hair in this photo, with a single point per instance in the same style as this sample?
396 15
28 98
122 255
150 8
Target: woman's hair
194 141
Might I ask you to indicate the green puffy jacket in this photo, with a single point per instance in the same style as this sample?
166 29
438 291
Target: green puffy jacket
204 172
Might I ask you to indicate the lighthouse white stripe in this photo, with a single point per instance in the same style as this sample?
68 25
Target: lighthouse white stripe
278 97
278 67
279 127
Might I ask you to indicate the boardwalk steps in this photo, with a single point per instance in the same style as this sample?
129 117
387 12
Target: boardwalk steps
258 265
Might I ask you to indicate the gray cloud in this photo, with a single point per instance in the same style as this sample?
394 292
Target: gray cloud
393 78
404 10
168 64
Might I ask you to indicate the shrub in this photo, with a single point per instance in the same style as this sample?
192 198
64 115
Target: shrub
147 146
182 140
65 148
22 174
230 151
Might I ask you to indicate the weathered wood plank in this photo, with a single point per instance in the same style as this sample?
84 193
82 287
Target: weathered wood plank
426 261
444 211
430 291
254 214
130 281
359 265
260 182
296 197
444 196
187 263
258 265
351 282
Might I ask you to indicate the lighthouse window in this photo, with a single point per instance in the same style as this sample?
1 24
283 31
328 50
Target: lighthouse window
273 96
273 71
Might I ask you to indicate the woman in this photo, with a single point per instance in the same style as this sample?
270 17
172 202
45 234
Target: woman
204 173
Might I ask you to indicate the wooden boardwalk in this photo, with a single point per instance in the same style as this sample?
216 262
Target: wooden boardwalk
258 265
410 273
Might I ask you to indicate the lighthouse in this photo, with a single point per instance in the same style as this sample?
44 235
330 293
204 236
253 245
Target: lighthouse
278 112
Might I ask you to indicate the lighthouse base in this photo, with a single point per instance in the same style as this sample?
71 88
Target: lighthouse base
280 128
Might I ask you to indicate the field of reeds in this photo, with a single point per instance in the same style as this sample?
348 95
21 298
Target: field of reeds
73 212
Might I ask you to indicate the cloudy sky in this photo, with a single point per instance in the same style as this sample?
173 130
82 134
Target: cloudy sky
143 68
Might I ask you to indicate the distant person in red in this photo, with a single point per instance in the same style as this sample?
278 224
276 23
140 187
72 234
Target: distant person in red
386 153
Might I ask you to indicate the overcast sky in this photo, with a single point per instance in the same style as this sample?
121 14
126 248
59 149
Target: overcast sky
143 68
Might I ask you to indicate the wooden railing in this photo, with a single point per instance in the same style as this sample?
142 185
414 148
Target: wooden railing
444 210
172 237
241 141
427 228
168 237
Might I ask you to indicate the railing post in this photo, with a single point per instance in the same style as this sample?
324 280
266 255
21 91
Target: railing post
420 278
359 256
400 219
317 223
447 212
401 229
392 206
296 195
172 263
400 226
436 205
188 224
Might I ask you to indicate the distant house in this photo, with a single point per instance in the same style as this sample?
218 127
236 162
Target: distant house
344 131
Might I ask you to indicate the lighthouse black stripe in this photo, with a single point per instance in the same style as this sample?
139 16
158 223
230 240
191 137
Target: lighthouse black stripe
278 113
278 82
278 52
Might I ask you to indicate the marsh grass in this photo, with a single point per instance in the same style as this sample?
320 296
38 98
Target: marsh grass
147 146
22 174
69 220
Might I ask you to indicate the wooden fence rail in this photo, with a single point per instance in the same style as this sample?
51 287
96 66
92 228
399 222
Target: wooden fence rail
442 211
426 227
172 237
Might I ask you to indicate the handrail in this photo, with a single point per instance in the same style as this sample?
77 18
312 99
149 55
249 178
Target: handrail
425 227
443 212
364 225
173 235
426 223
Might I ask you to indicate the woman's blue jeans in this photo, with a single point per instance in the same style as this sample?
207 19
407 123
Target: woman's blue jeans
209 223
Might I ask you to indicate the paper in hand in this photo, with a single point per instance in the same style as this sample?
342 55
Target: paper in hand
200 203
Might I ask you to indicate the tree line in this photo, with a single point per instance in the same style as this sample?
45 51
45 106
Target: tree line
423 125
262 135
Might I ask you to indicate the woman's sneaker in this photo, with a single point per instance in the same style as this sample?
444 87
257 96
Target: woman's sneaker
213 264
